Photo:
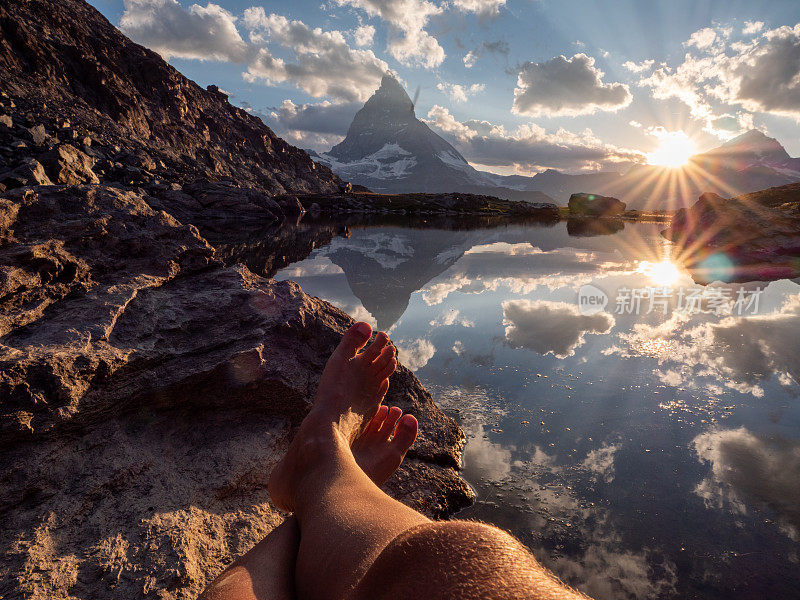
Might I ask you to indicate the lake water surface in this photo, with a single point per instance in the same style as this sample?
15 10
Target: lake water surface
648 450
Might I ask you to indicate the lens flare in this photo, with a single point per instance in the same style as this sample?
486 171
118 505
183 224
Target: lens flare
717 267
662 273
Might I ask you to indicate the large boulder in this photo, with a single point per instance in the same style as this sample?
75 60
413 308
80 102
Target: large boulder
66 164
595 205
219 206
146 390
30 173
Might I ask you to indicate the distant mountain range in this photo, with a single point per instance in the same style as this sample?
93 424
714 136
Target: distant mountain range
388 149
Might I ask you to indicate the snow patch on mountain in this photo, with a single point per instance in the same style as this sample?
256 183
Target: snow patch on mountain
388 250
389 162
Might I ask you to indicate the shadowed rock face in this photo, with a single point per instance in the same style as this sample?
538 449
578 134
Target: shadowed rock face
752 236
145 392
86 84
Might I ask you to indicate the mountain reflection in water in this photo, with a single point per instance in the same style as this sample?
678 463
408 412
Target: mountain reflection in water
649 455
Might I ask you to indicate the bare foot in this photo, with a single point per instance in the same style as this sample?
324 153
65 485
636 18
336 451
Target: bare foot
384 443
350 390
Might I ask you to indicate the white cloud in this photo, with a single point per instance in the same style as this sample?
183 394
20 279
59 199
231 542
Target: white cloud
758 75
742 353
452 317
460 93
321 117
702 38
751 27
749 470
550 327
416 354
565 86
314 125
408 41
601 461
639 67
470 58
482 7
529 147
481 456
197 33
363 35
323 63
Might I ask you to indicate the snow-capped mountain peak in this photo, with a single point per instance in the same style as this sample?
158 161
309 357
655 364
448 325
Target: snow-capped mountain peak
388 149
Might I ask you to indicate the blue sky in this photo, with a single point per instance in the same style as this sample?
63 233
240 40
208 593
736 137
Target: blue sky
718 68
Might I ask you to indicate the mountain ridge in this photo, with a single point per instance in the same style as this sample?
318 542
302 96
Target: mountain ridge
389 150
747 163
127 97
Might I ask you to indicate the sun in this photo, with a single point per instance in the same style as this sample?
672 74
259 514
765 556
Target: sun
674 150
662 273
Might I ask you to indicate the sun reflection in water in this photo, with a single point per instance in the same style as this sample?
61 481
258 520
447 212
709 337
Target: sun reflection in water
663 273
657 347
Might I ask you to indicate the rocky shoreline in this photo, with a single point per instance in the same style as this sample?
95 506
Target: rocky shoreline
149 379
146 388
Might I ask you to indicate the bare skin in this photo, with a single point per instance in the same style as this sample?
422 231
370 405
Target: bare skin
355 542
267 571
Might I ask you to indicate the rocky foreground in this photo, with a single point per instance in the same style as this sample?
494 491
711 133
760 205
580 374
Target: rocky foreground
149 379
146 389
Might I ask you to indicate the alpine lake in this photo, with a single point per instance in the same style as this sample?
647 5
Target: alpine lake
637 430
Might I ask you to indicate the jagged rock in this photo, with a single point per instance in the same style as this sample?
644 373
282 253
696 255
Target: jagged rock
31 172
139 160
6 121
145 392
291 206
595 205
66 164
219 206
38 135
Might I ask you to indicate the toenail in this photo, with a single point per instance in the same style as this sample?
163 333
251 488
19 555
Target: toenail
363 328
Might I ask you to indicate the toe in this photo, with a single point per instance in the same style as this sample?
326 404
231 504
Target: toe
353 340
383 388
374 349
376 423
405 434
394 414
387 354
388 370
